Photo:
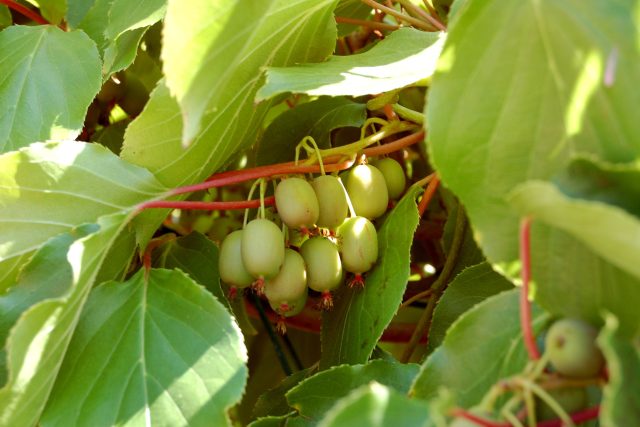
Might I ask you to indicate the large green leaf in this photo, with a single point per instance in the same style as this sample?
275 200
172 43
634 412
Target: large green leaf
608 231
316 119
273 402
38 341
405 57
49 188
535 83
47 275
481 347
352 329
314 396
48 78
209 71
375 405
469 288
125 15
621 400
151 351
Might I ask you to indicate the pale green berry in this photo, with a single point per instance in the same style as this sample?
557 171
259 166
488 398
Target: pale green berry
368 191
393 176
230 265
324 268
297 203
359 244
262 248
332 201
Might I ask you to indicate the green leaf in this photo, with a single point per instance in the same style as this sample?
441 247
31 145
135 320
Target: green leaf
222 74
125 16
160 350
49 188
469 288
51 10
197 256
465 363
608 231
354 9
316 119
314 396
38 341
616 184
49 78
404 57
48 266
621 401
273 402
5 17
272 421
352 329
375 405
121 52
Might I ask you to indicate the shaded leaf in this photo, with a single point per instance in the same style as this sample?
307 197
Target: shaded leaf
125 16
179 352
48 79
223 73
354 9
49 188
271 421
404 57
273 402
352 329
469 288
51 10
197 256
314 396
37 343
621 401
482 346
121 53
376 405
5 17
316 119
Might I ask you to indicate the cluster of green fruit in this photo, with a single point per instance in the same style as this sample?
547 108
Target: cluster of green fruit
333 242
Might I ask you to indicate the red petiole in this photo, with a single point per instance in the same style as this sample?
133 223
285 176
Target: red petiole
25 11
525 305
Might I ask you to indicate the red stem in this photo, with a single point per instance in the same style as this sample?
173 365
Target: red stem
428 194
25 11
396 145
578 417
525 305
209 206
461 413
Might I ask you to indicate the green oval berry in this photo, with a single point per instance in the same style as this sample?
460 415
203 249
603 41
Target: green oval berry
291 308
359 244
297 203
230 265
368 191
570 399
331 200
571 345
324 268
290 283
262 248
393 176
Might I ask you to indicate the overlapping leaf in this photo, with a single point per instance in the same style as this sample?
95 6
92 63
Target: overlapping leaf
621 400
481 347
521 88
352 329
403 58
207 69
48 78
156 350
48 188
375 405
52 10
37 343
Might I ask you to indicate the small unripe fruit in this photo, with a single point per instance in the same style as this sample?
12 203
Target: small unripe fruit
324 269
297 203
571 345
262 248
359 244
230 265
393 176
570 399
368 191
331 200
290 283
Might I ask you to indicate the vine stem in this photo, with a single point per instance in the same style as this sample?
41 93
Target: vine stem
525 305
207 206
369 24
459 412
272 335
428 194
422 328
25 11
577 417
418 23
416 11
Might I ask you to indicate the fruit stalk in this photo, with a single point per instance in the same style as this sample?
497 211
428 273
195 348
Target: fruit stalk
525 305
